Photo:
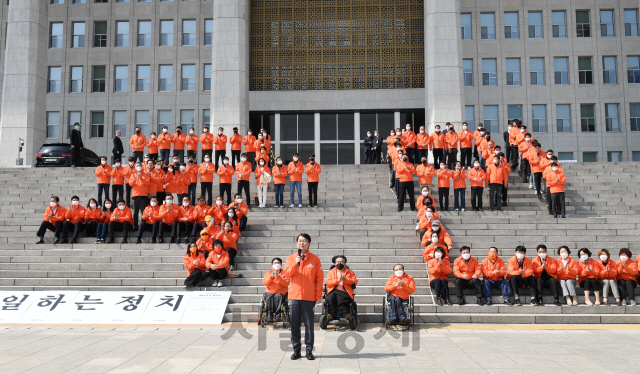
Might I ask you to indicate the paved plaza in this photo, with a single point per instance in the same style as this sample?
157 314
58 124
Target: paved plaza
225 349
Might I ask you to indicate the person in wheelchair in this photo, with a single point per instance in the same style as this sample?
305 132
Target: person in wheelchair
399 286
340 281
277 287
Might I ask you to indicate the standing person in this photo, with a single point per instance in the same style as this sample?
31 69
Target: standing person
243 171
295 170
262 183
103 172
377 147
220 140
513 133
505 182
280 173
137 143
627 276
556 180
534 156
409 138
225 172
192 144
466 140
404 173
158 177
525 166
127 171
368 148
236 146
313 170
467 271
444 184
152 144
423 141
117 187
493 271
178 140
207 143
477 139
76 145
249 142
117 149
495 177
425 172
206 171
451 146
53 219
139 181
74 219
164 144
459 186
437 145
544 269
477 178
507 141
192 172
304 272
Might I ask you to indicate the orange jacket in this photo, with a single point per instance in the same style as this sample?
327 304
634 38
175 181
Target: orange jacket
444 237
275 285
92 215
585 273
488 267
547 169
103 172
551 266
460 268
189 213
221 259
152 187
481 144
349 280
423 140
556 181
523 148
520 138
218 213
229 240
405 171
420 203
200 212
248 142
206 172
263 156
611 273
459 179
409 138
123 215
169 215
106 217
437 140
205 245
220 141
259 143
496 174
280 174
157 177
225 172
404 291
236 142
193 261
128 170
313 172
258 173
478 175
192 172
512 134
178 141
429 250
152 144
295 171
118 175
139 183
424 223
534 159
425 174
242 209
164 140
192 142
514 267
466 138
243 171
628 272
443 178
451 140
75 215
439 271
488 155
569 271
137 142
306 279
207 141
151 214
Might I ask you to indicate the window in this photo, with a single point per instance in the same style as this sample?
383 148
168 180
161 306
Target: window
207 77
633 69
166 33
78 35
614 156
120 122
467 72
122 34
121 80
55 76
511 26
186 119
589 156
79 2
565 156
166 78
124 1
635 156
76 79
563 117
587 118
206 117
561 70
634 113
208 31
535 25
101 1
144 33
465 26
487 26
610 75
606 23
164 119
514 112
57 1
559 24
489 77
97 124
143 83
73 118
56 35
100 35
583 24
142 121
611 117
189 32
53 125
98 83
188 77
585 72
537 71
539 118
491 118
469 117
631 22
513 72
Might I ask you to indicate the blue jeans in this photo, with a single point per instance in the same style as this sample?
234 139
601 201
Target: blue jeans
164 154
395 307
292 187
458 193
503 284
101 230
279 194
103 188
192 192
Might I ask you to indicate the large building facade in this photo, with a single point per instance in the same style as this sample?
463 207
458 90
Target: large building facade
317 74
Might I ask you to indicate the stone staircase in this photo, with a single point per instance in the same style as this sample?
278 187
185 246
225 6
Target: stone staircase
357 218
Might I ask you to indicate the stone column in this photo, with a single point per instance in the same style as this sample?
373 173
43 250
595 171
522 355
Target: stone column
443 66
24 90
230 66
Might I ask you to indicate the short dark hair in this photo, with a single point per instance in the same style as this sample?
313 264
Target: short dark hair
296 154
56 198
394 266
496 248
275 258
521 248
465 248
236 195
335 258
217 242
541 246
131 159
626 251
564 247
121 201
179 127
236 129
75 197
304 235
585 251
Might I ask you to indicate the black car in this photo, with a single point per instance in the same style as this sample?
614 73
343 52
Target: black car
59 154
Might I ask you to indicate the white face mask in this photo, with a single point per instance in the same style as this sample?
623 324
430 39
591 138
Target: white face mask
584 258
261 162
169 202
421 131
280 162
153 203
549 156
118 164
182 167
528 140
368 134
249 133
103 162
219 132
259 136
153 136
75 202
519 256
52 204
624 258
243 159
604 257
408 128
554 168
429 214
121 207
206 130
107 206
542 255
464 127
466 256
165 130
191 132
230 214
169 169
521 130
131 163
276 266
434 239
392 134
218 202
476 165
425 193
207 159
399 273
564 255
442 167
226 162
238 201
438 255
138 168
295 158
158 167
92 205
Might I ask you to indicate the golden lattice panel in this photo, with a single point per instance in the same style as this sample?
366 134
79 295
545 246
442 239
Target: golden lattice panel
336 44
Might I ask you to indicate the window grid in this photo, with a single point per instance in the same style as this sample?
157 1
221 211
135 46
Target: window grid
631 22
583 24
634 116
633 69
513 72
561 70
535 25
487 26
609 73
559 24
465 26
585 70
536 66
467 72
539 118
606 23
511 25
563 118
612 118
587 117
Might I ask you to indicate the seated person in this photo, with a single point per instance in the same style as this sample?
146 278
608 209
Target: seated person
52 219
493 271
233 217
277 288
229 240
194 261
399 286
544 269
439 269
218 264
340 280
567 271
520 275
169 215
627 276
205 243
588 271
436 227
467 271
429 250
200 213
121 220
607 278
218 211
150 220
426 217
425 199
242 209
187 219
74 216
211 226
92 217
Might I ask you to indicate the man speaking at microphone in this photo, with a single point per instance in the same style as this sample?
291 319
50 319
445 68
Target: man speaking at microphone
304 271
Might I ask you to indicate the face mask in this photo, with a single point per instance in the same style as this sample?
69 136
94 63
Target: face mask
182 167
75 202
438 254
340 266
170 169
138 168
184 204
118 164
108 206
425 193
78 128
207 159
435 228
519 256
238 201
521 130
206 130
295 159
137 132
528 140
451 129
178 131
438 131
376 134
421 131
399 273
392 134
457 167
218 202
261 162
603 257
464 127
424 162
476 165
243 159
249 133
542 255
52 204
276 266
191 132
153 203
564 255
549 156
131 163
279 162
405 159
493 256
466 256
92 205
121 207
398 149
368 134
219 132
260 137
495 162
103 162
169 202
434 239
554 168
429 214
442 167
165 130
158 167
624 258
153 136
584 258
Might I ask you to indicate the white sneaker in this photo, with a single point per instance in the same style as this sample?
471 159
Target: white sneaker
530 186
463 209
456 210
291 206
299 205
219 284
417 226
535 192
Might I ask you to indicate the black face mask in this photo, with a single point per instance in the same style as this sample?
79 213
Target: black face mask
424 162
191 161
340 266
488 138
405 159
138 132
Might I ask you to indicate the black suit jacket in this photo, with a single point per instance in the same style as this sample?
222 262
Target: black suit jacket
368 143
76 139
505 135
117 146
377 143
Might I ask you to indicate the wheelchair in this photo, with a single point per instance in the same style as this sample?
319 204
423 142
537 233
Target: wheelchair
407 306
338 320
284 313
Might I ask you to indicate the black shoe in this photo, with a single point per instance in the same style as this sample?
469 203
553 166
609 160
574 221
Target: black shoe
517 302
124 241
557 302
504 204
310 356
533 301
399 209
491 210
489 302
480 301
540 302
40 242
138 241
296 355
506 302
56 241
555 216
186 240
64 241
564 216
153 240
439 302
448 302
462 302
172 240
135 228
73 240
178 240
110 241
161 240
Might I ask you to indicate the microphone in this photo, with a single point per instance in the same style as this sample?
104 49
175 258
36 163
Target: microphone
299 253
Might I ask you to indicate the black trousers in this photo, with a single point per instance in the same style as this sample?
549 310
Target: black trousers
90 228
192 153
301 312
547 281
313 193
368 157
114 226
225 188
475 150
232 255
411 152
103 188
139 203
244 185
591 284
518 281
195 277
153 157
557 201
116 189
206 152
525 170
495 195
274 303
235 157
251 157
443 197
339 301
186 228
219 274
205 190
505 191
138 156
507 152
537 183
127 198
452 158
476 197
165 228
462 284
45 225
75 156
220 155
243 223
406 187
144 226
377 156
465 157
76 228
115 157
626 289
441 286
438 156
514 155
